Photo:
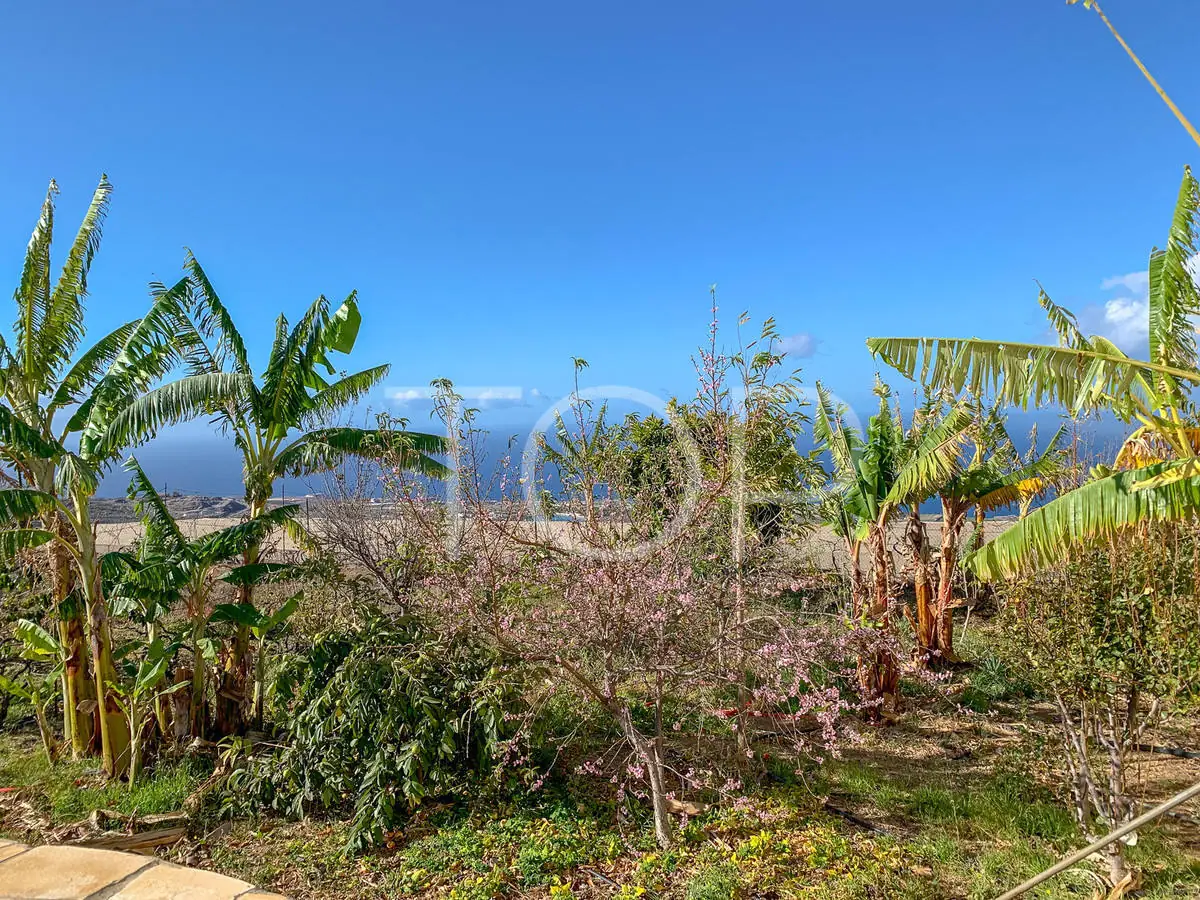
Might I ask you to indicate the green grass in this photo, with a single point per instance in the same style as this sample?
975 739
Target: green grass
982 841
69 791
717 882
970 841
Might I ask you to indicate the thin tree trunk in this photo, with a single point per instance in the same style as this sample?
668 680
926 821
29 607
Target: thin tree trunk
648 753
135 742
49 744
198 712
161 714
878 672
942 638
260 671
232 681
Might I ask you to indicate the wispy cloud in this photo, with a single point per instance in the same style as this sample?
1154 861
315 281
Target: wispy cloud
802 345
1137 283
484 397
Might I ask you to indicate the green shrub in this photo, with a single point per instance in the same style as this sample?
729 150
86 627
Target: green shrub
378 717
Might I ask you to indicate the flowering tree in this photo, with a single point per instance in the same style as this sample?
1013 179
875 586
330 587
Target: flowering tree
638 615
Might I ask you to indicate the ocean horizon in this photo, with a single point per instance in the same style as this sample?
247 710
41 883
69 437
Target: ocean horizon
208 464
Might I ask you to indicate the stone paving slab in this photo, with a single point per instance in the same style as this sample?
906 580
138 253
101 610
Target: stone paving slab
81 873
65 873
10 848
167 882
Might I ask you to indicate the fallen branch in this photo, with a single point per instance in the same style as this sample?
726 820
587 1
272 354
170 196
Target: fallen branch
146 840
100 819
853 819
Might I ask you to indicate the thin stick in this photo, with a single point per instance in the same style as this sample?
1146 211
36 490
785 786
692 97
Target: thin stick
1167 100
1134 825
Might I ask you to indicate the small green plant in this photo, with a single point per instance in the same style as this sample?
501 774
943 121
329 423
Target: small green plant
718 882
38 689
136 700
993 681
38 693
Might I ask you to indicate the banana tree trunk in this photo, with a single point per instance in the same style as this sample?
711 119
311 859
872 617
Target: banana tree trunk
881 566
136 738
77 690
235 675
232 683
114 726
858 587
953 519
162 715
49 743
878 670
198 705
260 690
925 621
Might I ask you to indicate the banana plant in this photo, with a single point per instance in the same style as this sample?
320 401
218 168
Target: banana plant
39 690
279 420
139 695
38 385
1157 477
992 475
172 569
876 475
260 626
146 353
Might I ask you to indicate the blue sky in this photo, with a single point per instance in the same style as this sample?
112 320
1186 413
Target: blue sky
510 185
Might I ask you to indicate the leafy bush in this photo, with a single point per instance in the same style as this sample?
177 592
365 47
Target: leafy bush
1112 634
380 716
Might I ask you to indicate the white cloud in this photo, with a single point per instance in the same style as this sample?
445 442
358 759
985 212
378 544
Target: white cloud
1125 319
802 345
1137 283
403 396
1127 323
485 397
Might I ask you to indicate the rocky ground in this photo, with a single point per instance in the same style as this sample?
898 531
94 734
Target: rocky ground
116 511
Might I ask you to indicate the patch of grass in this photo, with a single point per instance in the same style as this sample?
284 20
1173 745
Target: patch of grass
1003 806
164 790
860 782
717 882
69 791
994 871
